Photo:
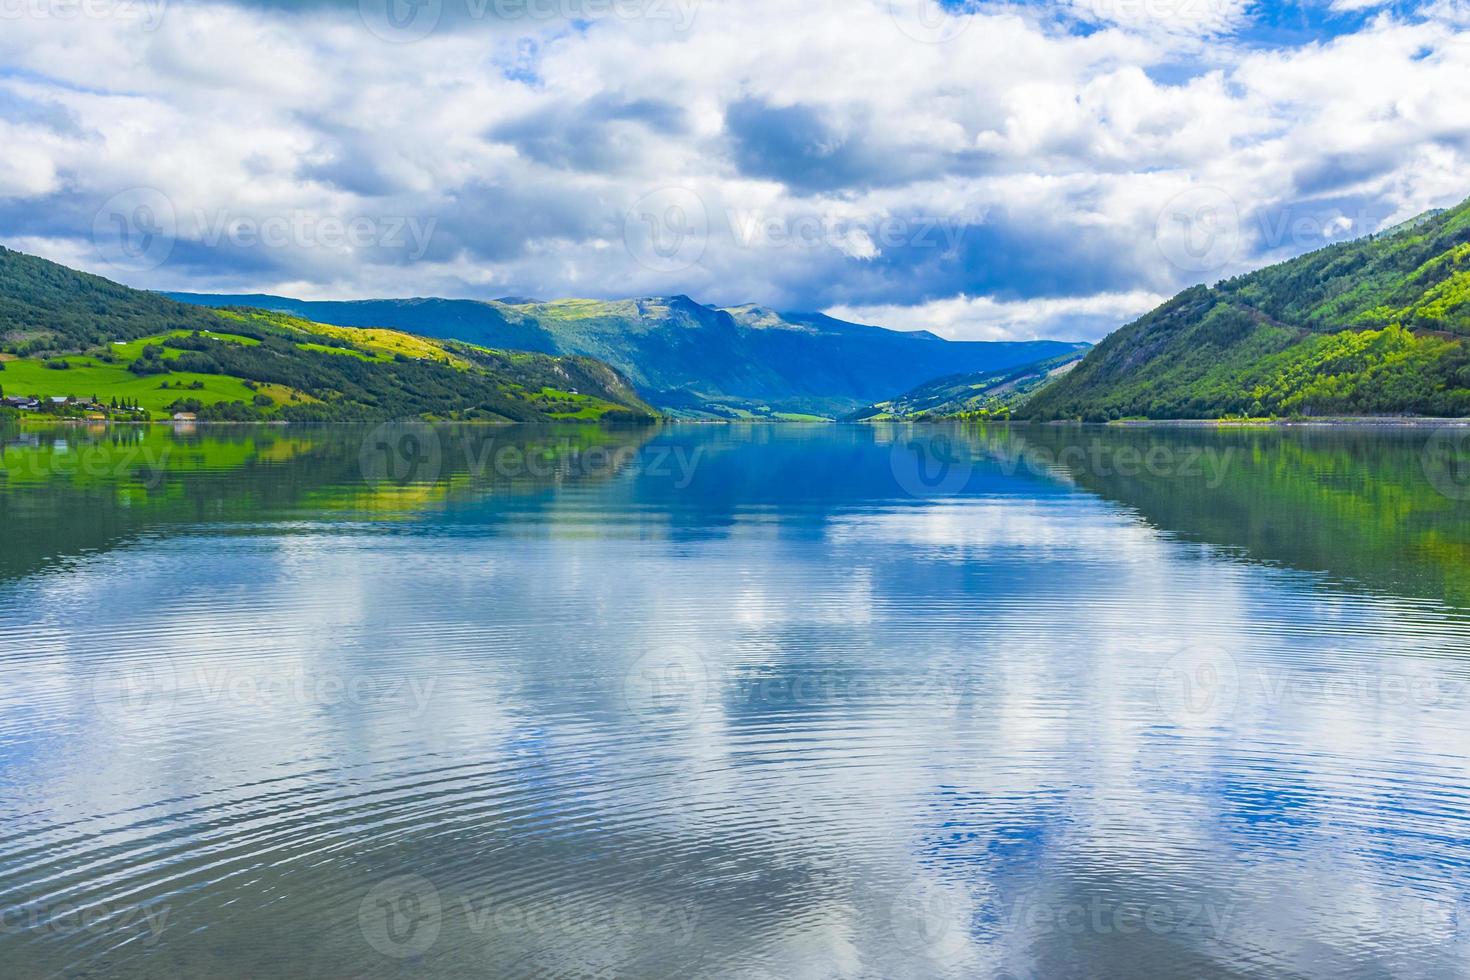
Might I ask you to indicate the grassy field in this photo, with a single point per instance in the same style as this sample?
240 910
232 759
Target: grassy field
106 378
133 349
370 343
89 377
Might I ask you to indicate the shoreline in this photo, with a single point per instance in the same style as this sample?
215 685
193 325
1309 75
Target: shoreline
1366 421
1346 421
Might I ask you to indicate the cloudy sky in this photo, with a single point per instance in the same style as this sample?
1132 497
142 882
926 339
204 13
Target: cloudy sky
985 170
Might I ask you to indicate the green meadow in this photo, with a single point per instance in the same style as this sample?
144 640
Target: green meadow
89 376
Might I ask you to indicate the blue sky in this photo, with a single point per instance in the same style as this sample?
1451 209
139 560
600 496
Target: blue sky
985 170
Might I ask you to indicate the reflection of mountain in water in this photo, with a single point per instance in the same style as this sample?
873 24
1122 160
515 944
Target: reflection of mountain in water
1355 504
68 491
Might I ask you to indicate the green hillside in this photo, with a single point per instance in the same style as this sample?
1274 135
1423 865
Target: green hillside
978 397
67 334
690 359
1376 326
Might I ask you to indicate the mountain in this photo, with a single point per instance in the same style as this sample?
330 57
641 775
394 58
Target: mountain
984 395
688 358
68 334
1376 326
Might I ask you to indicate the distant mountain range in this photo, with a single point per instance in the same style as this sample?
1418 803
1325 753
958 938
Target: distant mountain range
687 358
103 349
985 395
1376 326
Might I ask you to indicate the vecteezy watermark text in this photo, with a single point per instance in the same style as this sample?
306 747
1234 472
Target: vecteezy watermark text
1101 916
417 452
861 237
144 463
404 916
301 229
933 462
938 691
1203 229
931 919
147 14
146 921
1208 686
1101 458
670 230
137 693
139 229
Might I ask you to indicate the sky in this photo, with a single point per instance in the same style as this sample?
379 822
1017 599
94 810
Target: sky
988 171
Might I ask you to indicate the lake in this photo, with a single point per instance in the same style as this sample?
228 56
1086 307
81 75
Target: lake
734 701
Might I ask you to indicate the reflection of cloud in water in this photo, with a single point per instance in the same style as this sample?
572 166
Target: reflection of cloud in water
1054 813
971 528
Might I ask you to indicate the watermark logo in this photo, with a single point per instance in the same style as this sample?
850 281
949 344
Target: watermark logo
929 21
1446 461
1460 922
667 685
401 917
1198 687
931 464
667 231
401 21
133 694
1199 230
927 919
136 229
402 453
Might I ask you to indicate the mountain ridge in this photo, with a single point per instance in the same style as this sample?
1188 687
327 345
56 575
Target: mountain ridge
105 348
972 397
689 358
1376 326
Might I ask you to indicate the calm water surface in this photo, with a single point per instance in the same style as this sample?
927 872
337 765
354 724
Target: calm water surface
752 702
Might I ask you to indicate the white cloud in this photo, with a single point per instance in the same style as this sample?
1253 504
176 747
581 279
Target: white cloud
1051 156
982 318
1179 18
